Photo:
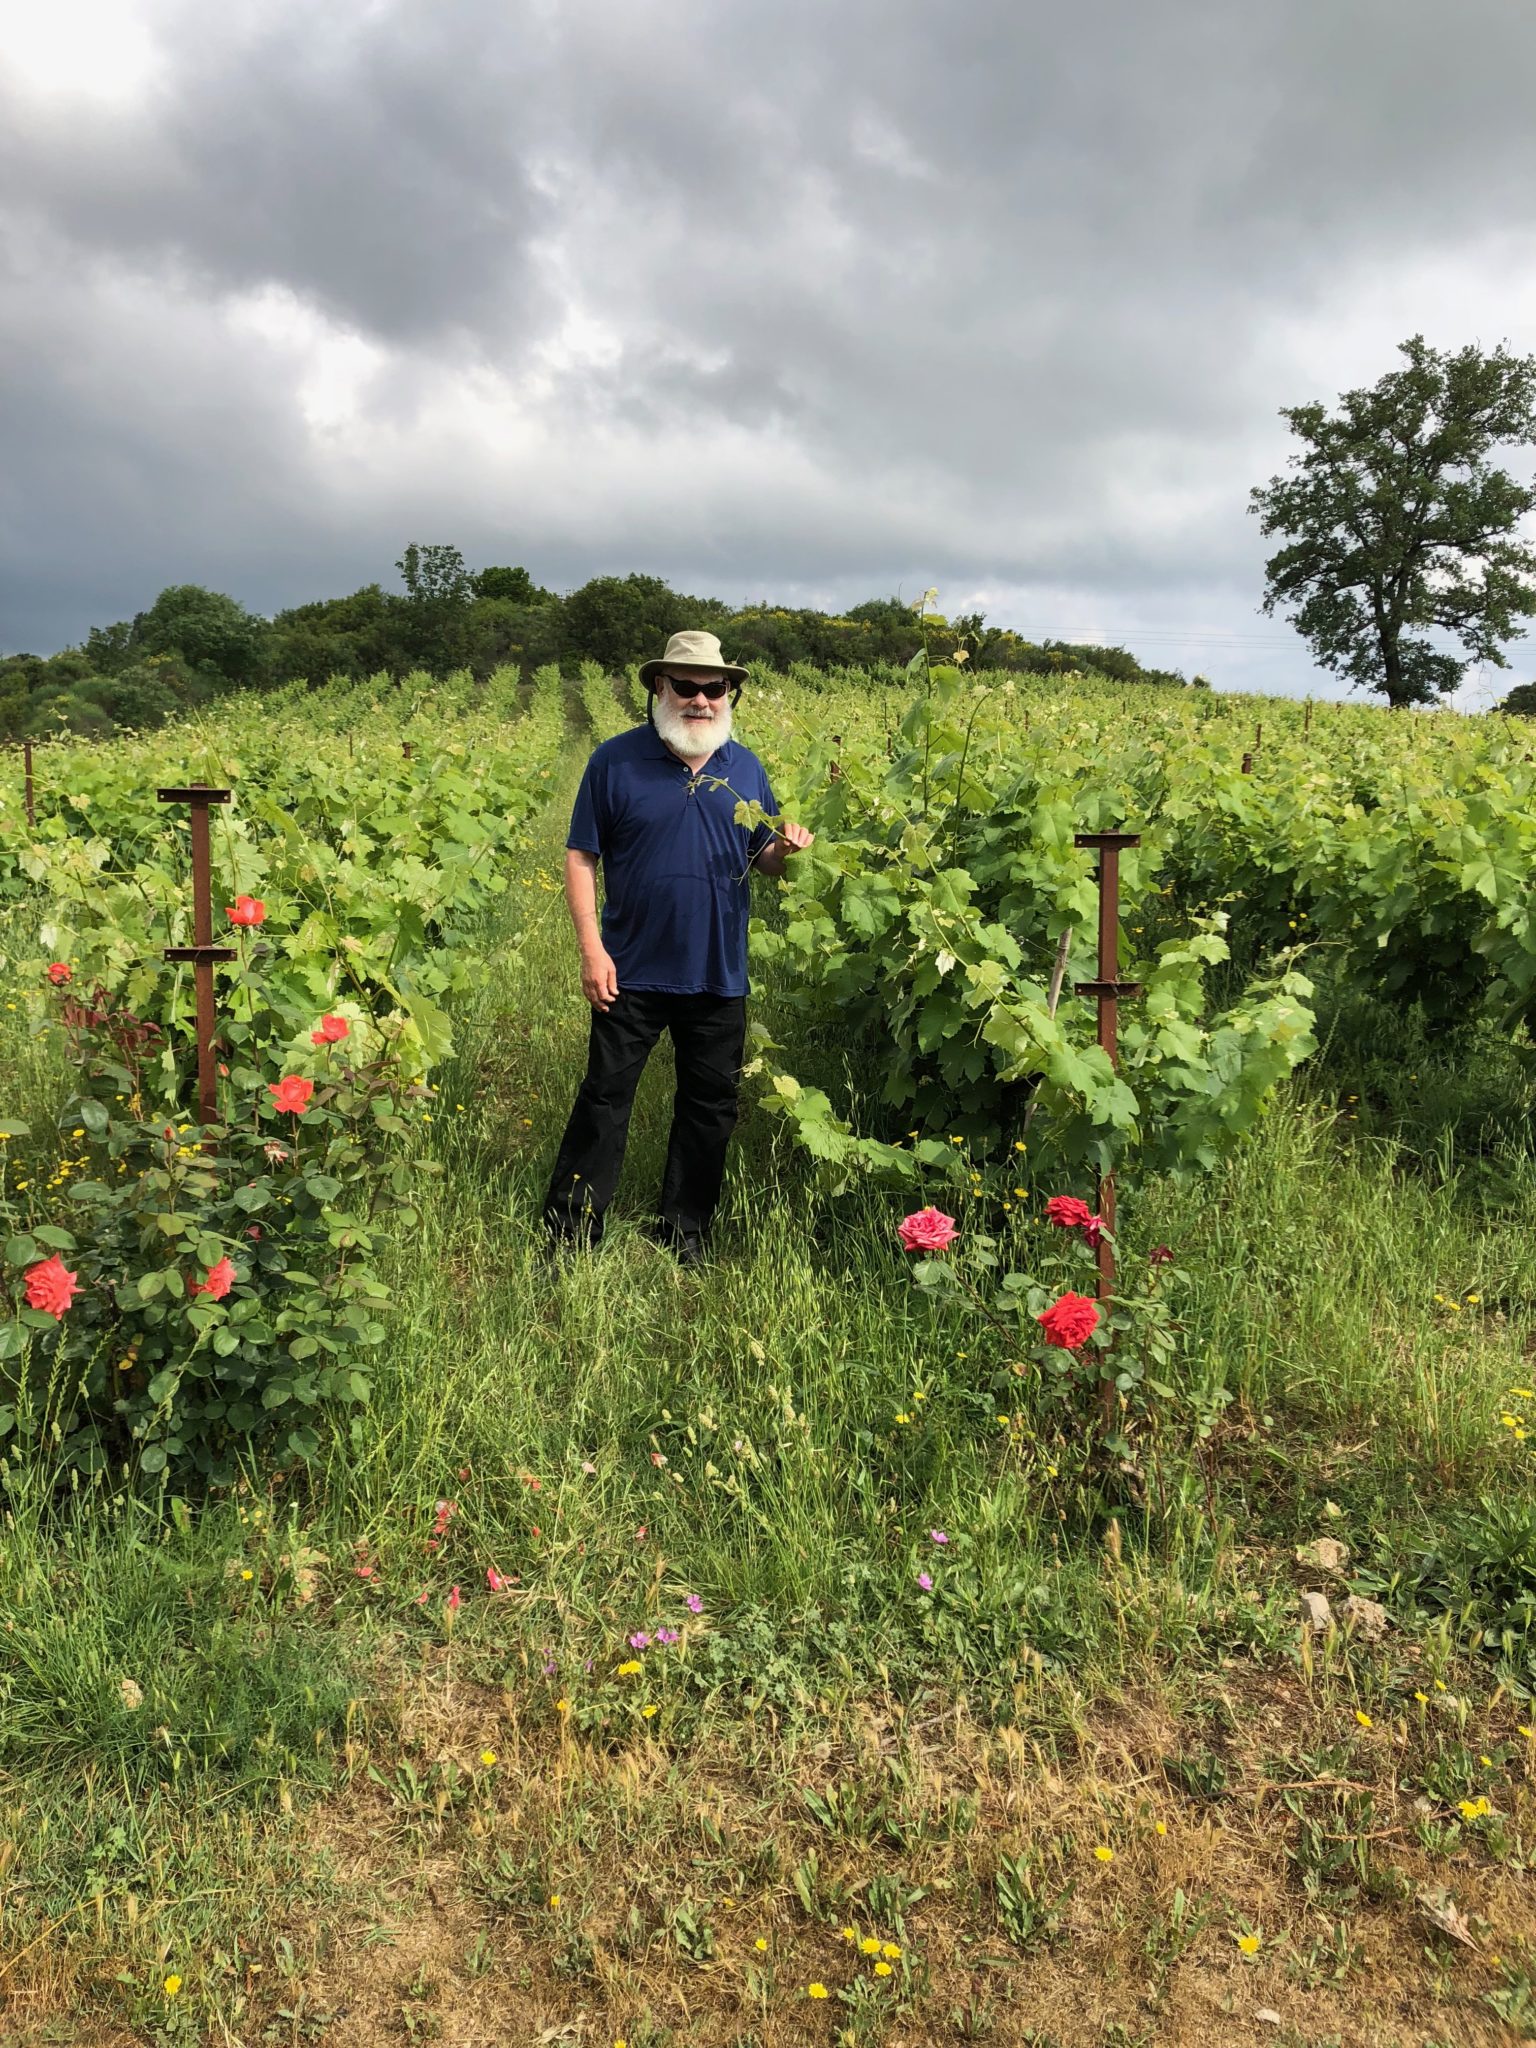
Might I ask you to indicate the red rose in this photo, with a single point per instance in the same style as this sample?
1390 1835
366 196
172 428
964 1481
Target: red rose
1070 1322
51 1286
220 1279
1067 1212
292 1092
929 1230
247 910
332 1031
60 972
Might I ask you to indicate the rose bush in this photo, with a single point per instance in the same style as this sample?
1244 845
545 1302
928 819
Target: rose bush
201 1292
1062 1346
219 1292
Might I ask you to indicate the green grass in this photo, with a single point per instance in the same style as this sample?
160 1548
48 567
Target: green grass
744 1417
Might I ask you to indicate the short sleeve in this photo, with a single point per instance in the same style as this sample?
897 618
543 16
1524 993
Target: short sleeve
588 816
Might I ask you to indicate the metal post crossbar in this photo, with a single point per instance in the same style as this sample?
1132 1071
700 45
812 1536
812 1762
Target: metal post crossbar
203 953
1110 992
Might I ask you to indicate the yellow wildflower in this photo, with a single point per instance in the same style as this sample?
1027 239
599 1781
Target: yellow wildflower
815 1990
172 1985
882 1969
629 1667
1364 1719
487 1757
1249 1944
1104 1855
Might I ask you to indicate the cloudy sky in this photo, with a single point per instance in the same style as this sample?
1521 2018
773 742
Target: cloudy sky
817 300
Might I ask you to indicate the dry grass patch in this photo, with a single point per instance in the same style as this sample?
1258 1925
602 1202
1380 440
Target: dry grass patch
575 1893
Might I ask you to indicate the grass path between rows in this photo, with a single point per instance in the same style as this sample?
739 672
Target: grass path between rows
1091 1787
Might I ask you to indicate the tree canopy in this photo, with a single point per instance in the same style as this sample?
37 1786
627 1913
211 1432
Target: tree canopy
1397 527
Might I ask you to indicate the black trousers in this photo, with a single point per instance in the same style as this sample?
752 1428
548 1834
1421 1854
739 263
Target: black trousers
708 1039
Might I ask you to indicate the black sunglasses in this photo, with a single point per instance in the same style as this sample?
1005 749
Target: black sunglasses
711 690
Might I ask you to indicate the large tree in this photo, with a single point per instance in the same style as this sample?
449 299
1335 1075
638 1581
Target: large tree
1397 526
212 633
619 619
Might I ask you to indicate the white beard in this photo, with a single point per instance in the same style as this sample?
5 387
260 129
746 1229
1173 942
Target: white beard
692 737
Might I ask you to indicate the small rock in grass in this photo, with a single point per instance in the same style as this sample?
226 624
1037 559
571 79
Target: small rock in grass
1326 1554
1369 1618
1318 1614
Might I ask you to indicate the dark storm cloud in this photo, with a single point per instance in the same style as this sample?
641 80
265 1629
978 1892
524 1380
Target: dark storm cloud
1002 297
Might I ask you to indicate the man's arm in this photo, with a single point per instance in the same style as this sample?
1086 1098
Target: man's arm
599 977
790 838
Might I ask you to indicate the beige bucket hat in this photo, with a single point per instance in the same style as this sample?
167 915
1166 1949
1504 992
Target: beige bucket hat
692 650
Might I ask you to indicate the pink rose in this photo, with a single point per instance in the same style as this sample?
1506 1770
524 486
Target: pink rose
929 1230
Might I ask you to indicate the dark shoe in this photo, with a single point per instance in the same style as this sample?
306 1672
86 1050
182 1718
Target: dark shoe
686 1245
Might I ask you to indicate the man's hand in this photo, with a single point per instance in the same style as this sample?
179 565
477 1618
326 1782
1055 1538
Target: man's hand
599 979
790 838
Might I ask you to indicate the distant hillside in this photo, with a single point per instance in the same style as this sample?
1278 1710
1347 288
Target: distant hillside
194 644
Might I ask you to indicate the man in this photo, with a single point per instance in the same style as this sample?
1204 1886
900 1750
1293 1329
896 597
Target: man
657 807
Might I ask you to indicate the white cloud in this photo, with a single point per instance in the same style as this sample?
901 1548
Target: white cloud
80 50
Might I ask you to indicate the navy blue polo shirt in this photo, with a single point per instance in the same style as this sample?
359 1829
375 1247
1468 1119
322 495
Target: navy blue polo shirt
676 874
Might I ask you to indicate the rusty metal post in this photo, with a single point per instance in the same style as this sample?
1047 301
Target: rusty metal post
203 953
26 755
1258 736
405 749
1306 725
1247 764
1110 991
